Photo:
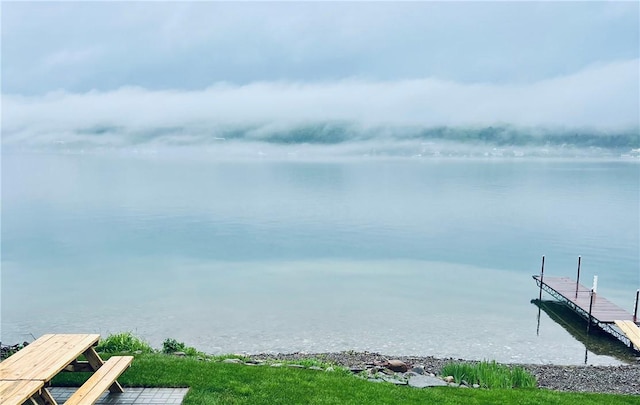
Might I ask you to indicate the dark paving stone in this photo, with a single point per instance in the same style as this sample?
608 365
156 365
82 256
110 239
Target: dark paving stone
130 396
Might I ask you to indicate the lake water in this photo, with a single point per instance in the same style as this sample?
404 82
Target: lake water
395 255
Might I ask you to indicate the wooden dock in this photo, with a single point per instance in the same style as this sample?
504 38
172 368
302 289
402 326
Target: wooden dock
580 297
597 310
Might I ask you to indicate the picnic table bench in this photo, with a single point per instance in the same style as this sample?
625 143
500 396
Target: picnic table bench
25 376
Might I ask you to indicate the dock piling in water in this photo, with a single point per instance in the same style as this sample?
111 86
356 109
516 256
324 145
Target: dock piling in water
541 278
590 308
578 278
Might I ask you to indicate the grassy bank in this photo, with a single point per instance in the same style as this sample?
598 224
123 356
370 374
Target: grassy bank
214 382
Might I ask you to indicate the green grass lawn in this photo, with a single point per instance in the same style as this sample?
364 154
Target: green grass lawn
214 382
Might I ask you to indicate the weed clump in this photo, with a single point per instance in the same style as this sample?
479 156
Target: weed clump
124 342
490 375
170 346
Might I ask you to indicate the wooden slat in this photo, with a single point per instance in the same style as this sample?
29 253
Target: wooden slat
16 392
24 353
631 331
102 379
46 357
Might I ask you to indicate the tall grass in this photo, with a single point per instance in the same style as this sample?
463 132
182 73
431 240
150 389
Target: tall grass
490 375
124 342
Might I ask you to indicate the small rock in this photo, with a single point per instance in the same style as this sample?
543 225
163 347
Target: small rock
418 369
295 365
232 361
476 385
448 379
316 368
276 365
356 370
397 366
463 382
179 354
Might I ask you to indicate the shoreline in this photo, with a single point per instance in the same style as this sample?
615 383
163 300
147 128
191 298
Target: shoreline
609 379
621 379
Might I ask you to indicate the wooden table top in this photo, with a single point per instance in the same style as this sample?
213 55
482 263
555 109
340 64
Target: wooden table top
14 392
46 357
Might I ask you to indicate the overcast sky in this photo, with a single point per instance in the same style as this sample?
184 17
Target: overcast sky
549 63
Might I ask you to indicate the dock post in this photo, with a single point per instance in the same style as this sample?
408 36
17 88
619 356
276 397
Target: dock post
635 310
578 278
590 307
541 278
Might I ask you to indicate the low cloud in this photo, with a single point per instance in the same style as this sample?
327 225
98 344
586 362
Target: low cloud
600 97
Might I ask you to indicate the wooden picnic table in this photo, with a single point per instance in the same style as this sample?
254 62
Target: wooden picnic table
24 377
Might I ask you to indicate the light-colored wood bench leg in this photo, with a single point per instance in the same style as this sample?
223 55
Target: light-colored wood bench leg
102 379
48 399
43 397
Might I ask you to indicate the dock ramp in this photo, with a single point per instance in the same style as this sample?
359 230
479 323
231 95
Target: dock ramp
631 331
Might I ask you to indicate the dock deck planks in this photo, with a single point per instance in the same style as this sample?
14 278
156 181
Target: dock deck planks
603 310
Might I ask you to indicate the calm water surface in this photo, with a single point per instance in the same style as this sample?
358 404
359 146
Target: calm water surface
406 256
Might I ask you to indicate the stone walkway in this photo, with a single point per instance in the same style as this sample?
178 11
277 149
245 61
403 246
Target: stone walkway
131 396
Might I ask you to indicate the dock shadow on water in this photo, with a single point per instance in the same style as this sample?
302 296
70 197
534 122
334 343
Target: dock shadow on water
596 341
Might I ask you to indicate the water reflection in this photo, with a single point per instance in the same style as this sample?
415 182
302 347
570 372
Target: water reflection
596 341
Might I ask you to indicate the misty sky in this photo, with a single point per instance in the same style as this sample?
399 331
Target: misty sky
72 65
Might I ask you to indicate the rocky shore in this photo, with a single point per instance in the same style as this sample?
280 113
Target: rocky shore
603 379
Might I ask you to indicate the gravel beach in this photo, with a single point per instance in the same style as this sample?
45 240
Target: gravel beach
604 379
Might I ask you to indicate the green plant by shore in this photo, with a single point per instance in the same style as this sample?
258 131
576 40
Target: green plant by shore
489 375
127 342
124 342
